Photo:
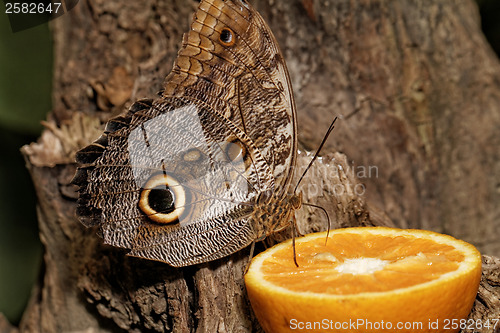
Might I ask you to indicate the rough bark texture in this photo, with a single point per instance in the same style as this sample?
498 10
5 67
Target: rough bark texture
418 90
487 304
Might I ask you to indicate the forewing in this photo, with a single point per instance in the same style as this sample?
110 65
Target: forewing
244 77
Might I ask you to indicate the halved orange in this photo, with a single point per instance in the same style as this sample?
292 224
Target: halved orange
370 279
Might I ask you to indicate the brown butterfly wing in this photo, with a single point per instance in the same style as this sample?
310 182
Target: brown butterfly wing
231 76
246 79
193 145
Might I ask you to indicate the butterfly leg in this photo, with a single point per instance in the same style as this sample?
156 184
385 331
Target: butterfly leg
252 249
294 231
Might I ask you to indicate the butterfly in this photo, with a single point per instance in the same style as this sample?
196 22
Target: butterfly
204 170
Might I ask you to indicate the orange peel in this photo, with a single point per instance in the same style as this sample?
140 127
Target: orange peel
370 279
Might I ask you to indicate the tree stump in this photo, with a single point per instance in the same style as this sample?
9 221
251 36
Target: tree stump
417 89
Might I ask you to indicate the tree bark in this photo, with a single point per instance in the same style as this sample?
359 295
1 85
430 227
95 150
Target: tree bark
417 89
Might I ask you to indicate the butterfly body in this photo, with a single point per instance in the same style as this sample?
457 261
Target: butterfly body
204 170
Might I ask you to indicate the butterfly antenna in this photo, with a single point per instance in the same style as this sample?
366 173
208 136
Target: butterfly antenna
327 217
330 129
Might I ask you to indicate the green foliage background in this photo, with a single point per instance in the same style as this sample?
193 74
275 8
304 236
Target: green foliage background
25 95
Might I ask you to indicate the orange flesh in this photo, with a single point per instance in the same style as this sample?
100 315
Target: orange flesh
402 262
